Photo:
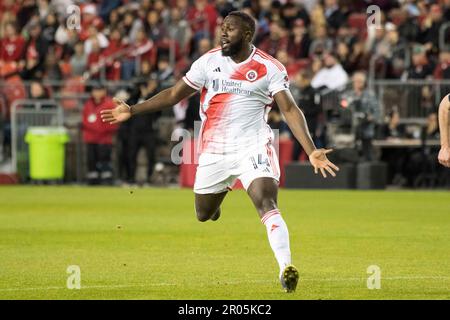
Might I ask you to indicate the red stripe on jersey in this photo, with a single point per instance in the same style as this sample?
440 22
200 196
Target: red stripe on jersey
269 57
266 56
190 83
214 50
214 115
244 72
272 160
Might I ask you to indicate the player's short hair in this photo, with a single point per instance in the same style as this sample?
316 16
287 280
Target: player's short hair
247 19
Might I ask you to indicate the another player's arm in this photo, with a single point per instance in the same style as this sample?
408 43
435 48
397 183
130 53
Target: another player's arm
297 123
444 113
165 99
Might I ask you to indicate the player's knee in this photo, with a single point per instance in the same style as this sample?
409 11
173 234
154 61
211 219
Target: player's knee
266 205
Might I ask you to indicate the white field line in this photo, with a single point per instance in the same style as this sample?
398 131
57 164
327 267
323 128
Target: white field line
232 282
91 287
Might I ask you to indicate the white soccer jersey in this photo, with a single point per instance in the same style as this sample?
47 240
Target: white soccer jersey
235 99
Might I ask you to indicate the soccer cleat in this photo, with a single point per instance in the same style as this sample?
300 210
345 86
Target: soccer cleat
289 278
216 215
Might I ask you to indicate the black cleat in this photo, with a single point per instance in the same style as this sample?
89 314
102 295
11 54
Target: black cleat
289 278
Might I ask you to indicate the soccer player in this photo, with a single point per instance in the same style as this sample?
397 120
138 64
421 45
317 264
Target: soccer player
238 83
444 124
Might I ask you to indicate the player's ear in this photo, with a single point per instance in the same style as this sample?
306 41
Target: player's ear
248 36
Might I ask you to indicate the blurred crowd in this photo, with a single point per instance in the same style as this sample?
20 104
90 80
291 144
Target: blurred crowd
326 45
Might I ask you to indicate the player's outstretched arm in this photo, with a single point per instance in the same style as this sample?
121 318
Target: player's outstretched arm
165 99
444 113
297 122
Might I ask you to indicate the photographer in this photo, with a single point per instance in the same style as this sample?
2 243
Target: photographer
365 111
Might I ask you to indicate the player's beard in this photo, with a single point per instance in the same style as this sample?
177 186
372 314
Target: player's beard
233 48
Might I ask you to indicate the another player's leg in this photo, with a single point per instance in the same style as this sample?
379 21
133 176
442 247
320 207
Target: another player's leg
207 206
264 192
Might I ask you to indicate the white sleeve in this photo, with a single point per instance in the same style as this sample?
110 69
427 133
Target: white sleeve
278 80
196 76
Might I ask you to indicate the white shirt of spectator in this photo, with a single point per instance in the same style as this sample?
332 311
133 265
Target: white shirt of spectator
333 78
235 99
102 41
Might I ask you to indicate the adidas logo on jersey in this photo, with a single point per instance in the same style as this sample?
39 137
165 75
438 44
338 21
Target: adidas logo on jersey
216 69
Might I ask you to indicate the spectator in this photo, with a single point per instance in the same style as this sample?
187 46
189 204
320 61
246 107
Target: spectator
276 121
79 60
309 101
331 76
130 25
365 112
421 68
98 137
180 29
204 45
49 28
95 60
114 20
277 39
431 26
442 70
299 41
106 7
160 6
144 73
143 131
154 28
12 46
142 49
52 67
35 52
224 7
393 129
165 72
202 18
334 16
321 43
95 35
431 130
89 18
38 92
26 10
113 54
409 28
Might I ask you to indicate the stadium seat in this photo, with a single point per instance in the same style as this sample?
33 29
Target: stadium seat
358 22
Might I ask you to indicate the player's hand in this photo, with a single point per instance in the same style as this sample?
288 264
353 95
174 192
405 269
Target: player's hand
120 113
444 156
320 162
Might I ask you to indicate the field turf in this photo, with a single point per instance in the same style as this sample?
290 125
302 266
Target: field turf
147 244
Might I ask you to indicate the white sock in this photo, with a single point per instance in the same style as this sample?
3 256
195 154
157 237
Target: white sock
278 235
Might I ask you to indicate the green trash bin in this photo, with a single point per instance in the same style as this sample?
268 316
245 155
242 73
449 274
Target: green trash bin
46 152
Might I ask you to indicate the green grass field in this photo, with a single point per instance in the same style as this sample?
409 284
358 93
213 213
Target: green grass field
148 245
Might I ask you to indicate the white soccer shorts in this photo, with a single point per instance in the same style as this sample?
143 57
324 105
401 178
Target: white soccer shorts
217 173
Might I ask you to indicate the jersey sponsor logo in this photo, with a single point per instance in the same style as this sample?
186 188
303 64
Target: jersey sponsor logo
251 75
235 87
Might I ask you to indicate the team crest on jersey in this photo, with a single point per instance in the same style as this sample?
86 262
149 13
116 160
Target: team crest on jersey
251 75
